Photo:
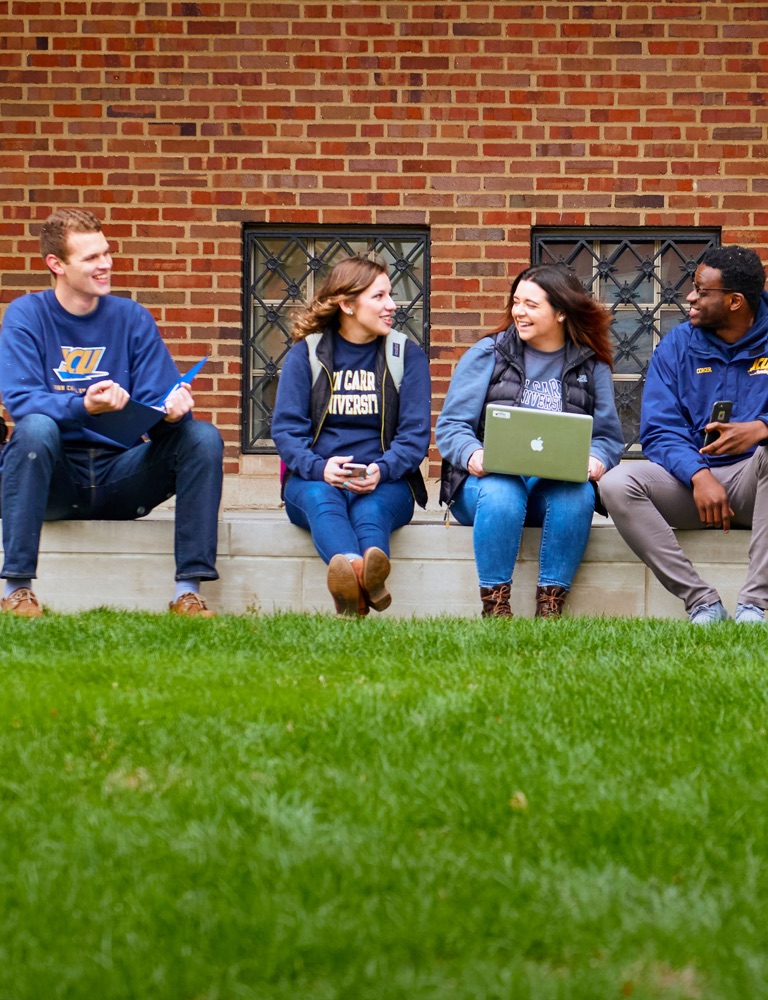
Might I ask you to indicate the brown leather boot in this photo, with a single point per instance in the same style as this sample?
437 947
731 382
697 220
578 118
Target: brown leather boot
345 589
496 601
363 603
373 578
550 601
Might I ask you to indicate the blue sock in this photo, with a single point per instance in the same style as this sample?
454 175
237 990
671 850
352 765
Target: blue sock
12 585
186 587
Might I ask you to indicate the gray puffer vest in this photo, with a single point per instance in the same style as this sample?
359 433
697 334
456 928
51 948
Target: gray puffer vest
507 384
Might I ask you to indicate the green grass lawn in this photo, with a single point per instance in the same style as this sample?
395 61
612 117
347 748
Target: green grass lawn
296 807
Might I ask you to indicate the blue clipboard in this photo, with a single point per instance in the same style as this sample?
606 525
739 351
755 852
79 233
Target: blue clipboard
126 426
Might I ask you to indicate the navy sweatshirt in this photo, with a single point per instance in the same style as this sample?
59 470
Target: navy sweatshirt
49 357
352 425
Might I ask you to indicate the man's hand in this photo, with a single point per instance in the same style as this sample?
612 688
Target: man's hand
475 464
711 500
177 403
104 397
735 438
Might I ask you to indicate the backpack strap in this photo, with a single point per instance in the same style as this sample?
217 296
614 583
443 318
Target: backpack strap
312 340
394 350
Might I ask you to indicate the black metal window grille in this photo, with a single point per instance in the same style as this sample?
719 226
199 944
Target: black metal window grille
643 276
282 268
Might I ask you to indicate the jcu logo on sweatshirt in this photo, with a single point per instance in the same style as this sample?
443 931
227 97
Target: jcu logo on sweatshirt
758 367
80 364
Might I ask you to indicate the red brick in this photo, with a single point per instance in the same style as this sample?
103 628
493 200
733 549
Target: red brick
478 119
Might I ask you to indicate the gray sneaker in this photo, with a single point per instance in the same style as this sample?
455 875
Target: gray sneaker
706 614
750 614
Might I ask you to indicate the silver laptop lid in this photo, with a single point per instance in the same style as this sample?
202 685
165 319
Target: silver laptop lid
545 443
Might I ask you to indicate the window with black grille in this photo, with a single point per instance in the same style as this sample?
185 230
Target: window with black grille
283 267
643 276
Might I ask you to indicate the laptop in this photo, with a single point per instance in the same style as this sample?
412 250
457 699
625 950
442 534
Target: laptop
545 443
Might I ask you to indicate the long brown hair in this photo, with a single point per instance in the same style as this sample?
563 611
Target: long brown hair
346 281
587 322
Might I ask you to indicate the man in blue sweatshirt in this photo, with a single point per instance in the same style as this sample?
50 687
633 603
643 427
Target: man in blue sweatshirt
71 359
720 355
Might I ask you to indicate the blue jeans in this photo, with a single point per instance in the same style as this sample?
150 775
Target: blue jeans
498 507
44 481
347 523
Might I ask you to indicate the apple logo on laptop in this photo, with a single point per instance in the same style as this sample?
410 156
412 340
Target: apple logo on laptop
537 444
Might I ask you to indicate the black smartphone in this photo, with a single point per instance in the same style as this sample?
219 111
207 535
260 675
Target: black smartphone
721 413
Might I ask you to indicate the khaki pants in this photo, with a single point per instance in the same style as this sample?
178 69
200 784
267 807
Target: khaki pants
646 502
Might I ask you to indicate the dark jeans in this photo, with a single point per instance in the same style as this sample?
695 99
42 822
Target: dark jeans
43 481
347 523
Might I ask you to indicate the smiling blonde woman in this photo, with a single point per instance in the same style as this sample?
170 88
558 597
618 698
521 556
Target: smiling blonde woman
352 425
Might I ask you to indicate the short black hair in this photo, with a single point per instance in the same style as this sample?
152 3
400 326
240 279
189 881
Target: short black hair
741 270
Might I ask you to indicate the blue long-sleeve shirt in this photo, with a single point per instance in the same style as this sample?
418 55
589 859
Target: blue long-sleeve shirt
456 433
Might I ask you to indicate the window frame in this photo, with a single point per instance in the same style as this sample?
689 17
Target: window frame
628 385
306 237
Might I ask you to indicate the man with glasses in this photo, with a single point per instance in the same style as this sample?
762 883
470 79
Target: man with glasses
719 355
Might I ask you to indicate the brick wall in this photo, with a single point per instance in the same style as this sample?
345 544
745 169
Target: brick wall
176 122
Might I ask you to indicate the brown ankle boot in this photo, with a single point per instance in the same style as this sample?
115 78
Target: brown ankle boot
373 578
496 601
550 601
363 602
345 589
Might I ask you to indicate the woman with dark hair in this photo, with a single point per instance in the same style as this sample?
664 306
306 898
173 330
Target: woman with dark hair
552 352
352 425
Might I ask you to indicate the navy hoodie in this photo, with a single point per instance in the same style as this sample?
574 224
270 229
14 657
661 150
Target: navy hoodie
352 425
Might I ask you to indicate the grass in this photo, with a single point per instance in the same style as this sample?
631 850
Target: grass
265 808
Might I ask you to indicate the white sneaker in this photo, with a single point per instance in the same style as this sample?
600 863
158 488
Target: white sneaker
707 614
750 614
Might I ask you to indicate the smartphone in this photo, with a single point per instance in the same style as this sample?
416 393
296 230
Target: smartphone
721 413
355 470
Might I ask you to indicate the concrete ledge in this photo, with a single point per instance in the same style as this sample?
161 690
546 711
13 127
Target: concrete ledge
266 564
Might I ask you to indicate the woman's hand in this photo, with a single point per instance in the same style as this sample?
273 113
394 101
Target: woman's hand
369 484
595 468
475 464
334 474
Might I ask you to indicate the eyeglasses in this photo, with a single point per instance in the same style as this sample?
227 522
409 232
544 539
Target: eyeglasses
700 292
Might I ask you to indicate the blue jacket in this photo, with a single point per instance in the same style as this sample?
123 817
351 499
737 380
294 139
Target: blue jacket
690 370
457 436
